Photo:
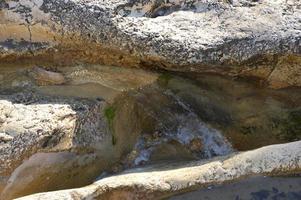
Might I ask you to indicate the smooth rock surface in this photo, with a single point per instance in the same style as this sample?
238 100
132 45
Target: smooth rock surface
158 182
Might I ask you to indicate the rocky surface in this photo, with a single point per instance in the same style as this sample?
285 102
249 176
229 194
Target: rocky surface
102 120
33 124
44 77
159 182
237 37
62 127
50 134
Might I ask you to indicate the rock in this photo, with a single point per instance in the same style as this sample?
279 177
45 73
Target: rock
5 137
155 182
171 151
196 145
46 141
44 77
168 128
66 136
286 73
237 38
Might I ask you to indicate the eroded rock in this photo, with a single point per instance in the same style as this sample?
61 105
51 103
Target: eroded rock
162 181
238 38
44 77
65 136
39 124
5 137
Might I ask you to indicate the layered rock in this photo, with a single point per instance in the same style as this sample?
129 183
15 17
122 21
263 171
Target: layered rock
162 181
240 37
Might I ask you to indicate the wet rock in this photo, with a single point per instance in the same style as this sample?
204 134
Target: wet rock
286 73
260 187
199 36
156 182
196 145
34 126
170 130
45 77
248 116
171 151
60 140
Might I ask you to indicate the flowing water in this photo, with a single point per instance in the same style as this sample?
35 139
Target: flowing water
222 112
172 116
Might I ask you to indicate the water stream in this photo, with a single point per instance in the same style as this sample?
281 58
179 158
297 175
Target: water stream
171 116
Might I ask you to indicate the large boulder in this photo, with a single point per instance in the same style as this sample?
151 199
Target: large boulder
237 37
162 181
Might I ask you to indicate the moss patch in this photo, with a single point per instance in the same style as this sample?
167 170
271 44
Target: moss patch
163 79
110 113
291 127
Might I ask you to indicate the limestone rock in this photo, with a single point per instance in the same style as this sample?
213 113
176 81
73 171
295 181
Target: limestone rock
162 181
44 77
5 137
34 126
239 37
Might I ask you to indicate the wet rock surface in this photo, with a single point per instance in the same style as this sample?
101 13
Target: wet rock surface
238 38
248 115
41 124
271 188
103 120
157 182
49 138
67 122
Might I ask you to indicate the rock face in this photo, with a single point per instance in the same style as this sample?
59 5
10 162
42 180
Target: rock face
159 182
237 37
39 130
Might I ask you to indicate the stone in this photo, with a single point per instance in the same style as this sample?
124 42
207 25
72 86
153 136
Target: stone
44 131
236 38
196 145
67 136
45 77
155 182
5 137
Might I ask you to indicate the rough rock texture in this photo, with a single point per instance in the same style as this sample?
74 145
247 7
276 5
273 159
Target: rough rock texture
64 136
237 37
31 124
159 182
